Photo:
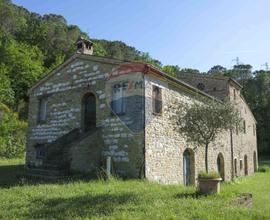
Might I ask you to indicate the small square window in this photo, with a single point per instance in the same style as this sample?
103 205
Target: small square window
157 100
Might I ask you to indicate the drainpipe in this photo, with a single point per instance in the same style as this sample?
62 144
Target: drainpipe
232 162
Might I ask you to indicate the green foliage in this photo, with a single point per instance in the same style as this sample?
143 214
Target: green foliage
217 71
171 70
6 92
209 175
24 66
12 133
257 93
264 168
202 122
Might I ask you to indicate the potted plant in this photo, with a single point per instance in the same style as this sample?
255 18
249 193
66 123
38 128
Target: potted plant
209 183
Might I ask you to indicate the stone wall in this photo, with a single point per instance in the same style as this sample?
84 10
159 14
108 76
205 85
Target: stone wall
214 86
164 147
245 143
64 90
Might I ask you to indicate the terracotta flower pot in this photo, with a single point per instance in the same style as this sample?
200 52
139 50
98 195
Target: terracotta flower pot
209 185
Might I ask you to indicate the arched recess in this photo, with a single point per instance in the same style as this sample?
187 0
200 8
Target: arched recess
255 161
235 167
89 112
221 166
189 167
246 164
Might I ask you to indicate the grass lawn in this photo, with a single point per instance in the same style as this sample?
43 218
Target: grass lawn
131 199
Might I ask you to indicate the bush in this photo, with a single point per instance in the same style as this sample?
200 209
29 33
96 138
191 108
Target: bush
12 133
264 168
208 175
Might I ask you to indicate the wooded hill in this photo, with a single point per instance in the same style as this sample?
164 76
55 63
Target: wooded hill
32 45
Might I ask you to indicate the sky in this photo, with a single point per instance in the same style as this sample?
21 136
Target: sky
188 33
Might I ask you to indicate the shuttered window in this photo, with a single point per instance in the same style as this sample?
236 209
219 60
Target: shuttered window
157 100
43 105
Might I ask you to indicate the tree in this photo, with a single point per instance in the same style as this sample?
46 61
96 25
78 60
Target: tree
217 70
202 122
171 70
24 66
12 133
6 91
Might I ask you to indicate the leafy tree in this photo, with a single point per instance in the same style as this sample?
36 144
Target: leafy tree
202 122
189 70
24 65
6 92
257 93
12 133
217 71
171 70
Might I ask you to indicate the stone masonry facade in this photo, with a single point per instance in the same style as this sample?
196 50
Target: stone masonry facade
139 142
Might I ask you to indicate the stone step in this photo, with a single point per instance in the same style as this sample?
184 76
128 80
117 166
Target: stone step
48 172
53 161
45 177
48 165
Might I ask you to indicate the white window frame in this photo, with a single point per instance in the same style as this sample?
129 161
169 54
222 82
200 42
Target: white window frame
43 107
118 99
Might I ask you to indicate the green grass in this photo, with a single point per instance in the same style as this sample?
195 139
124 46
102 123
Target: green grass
131 199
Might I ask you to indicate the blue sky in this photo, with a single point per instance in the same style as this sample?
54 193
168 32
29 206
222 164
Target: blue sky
189 33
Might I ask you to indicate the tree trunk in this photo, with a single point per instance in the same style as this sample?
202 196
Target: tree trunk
206 157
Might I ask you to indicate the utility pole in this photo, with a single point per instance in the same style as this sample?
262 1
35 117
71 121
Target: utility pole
266 66
237 62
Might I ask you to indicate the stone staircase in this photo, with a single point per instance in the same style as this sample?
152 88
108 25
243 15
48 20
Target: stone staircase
56 165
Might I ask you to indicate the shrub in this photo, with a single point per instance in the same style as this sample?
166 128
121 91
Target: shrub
208 175
264 168
12 133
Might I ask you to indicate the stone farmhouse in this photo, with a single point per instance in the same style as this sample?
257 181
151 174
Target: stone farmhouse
91 108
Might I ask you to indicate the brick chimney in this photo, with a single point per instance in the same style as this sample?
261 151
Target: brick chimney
84 46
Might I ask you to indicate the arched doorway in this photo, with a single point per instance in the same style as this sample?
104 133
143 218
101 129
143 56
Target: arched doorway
188 167
89 112
246 164
255 161
220 166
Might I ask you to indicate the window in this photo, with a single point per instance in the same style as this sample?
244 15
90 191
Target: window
201 86
241 164
234 94
244 126
157 100
118 100
42 115
254 130
41 151
235 166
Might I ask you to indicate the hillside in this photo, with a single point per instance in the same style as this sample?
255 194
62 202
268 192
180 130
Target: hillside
32 45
